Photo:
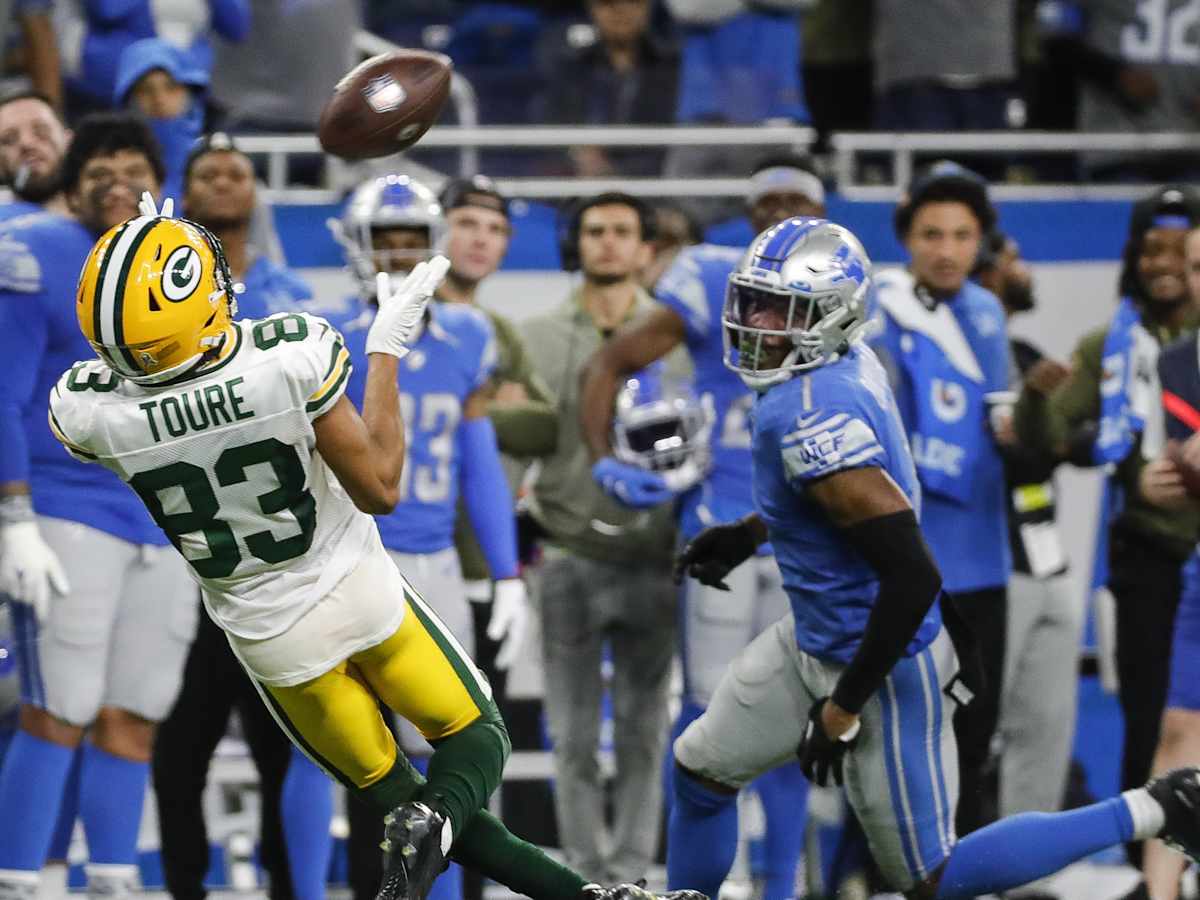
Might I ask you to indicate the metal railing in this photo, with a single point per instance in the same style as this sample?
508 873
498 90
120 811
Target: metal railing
898 153
901 149
279 148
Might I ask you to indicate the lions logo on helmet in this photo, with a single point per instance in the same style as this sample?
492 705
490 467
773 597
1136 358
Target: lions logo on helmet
155 296
663 427
798 299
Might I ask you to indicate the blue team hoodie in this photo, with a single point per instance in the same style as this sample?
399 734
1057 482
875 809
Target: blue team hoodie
176 135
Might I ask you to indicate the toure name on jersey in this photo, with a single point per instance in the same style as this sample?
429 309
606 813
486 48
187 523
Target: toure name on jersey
196 410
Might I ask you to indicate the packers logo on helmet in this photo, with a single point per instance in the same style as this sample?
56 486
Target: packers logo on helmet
155 295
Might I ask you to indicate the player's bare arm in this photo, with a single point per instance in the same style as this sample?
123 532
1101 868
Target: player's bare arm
367 453
630 350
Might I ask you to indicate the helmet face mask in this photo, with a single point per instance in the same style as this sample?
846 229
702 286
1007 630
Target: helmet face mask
155 297
797 301
663 429
390 203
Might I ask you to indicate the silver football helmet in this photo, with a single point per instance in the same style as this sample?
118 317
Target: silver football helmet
389 201
664 428
797 300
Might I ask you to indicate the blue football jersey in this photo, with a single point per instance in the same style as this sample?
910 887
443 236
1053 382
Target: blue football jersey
17 209
40 259
694 287
454 356
835 417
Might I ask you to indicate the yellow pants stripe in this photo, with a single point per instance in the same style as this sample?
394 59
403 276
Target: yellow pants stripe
335 720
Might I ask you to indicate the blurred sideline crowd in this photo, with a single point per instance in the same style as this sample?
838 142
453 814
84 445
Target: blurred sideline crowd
838 65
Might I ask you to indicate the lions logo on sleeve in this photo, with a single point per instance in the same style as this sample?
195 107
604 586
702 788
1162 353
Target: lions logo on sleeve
20 270
823 443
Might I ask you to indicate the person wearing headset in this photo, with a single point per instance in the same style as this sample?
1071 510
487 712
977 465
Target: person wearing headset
606 571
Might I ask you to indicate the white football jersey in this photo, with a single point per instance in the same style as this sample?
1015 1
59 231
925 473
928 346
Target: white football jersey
226 462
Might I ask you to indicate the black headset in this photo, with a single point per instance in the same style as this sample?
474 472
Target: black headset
571 218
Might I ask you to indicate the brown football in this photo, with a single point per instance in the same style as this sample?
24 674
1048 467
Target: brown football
384 104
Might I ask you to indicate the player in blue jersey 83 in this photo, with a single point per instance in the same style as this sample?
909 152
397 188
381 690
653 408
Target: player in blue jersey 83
714 625
391 223
857 681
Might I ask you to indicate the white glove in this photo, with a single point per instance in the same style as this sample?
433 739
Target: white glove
510 620
29 570
400 310
147 207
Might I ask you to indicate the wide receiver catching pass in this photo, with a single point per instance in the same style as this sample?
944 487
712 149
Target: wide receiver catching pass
239 439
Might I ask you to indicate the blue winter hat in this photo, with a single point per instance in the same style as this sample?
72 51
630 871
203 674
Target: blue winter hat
149 54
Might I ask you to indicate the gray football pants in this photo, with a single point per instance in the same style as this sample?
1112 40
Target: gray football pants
1037 709
585 603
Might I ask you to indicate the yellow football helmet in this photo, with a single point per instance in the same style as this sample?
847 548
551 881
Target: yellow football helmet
154 296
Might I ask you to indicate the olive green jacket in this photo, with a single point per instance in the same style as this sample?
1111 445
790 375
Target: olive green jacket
1048 425
566 501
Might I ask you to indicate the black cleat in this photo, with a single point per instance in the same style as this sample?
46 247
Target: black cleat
412 852
1178 793
635 891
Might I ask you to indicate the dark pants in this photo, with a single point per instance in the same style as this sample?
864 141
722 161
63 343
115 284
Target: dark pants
974 724
1146 584
214 684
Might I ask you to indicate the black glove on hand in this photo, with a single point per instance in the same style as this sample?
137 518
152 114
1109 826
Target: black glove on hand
715 552
820 754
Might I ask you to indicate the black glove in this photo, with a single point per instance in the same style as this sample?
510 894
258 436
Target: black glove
819 753
715 552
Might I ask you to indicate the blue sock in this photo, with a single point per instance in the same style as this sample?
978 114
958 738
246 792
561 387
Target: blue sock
31 788
306 806
111 792
68 812
689 712
701 837
784 796
448 885
1028 846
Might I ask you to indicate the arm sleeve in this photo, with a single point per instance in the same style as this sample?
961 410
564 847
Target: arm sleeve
909 584
319 363
487 497
826 442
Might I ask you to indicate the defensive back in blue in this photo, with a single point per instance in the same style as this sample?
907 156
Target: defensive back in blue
832 418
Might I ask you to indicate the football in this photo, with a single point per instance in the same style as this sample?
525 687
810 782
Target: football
1189 474
384 104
